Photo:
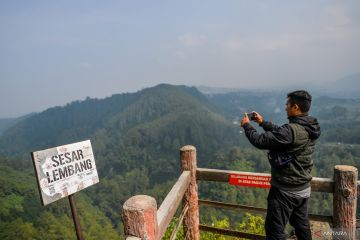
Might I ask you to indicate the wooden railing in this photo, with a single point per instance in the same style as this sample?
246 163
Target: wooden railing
142 219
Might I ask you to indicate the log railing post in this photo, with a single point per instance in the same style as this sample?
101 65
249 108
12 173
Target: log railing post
344 204
191 219
140 217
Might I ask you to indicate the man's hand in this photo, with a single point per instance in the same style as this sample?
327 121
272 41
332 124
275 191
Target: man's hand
257 117
245 120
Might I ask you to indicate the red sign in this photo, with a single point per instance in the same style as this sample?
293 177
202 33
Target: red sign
250 180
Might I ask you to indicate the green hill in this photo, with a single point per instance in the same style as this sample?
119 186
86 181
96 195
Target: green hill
5 123
117 117
136 138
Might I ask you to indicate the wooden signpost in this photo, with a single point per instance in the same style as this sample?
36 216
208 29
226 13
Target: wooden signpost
64 170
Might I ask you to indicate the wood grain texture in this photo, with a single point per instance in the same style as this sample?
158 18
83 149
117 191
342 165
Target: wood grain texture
188 162
140 217
345 198
171 202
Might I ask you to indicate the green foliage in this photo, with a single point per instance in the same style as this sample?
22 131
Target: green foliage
52 226
22 216
252 224
170 229
11 203
17 229
224 223
136 138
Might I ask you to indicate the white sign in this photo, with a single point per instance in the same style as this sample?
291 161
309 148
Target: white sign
64 170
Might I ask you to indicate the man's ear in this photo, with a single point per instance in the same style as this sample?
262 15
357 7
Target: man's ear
296 108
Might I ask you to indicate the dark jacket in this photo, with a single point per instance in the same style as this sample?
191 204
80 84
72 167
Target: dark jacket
297 138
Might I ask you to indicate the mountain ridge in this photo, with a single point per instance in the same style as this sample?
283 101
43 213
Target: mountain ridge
119 113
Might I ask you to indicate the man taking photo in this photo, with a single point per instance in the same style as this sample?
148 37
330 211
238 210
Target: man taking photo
290 149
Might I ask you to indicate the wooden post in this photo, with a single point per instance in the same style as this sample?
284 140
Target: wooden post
75 216
191 219
344 204
140 217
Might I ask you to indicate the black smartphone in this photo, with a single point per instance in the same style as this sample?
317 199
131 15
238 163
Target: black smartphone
251 116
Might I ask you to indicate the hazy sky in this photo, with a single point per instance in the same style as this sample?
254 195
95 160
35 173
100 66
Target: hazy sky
54 52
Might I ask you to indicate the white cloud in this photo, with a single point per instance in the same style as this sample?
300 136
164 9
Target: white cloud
191 40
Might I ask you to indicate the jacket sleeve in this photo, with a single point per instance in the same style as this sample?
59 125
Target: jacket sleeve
274 139
268 126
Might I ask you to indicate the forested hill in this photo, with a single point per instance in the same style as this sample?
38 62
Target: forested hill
179 114
136 139
6 123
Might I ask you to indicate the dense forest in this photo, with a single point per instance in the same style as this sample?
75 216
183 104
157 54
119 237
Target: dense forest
136 139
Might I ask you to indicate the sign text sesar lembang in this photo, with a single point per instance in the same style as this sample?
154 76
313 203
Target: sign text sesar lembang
64 170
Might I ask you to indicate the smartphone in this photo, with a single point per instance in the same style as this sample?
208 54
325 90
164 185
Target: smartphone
252 116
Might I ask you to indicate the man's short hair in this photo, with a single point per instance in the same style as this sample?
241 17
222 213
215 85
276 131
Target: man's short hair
302 98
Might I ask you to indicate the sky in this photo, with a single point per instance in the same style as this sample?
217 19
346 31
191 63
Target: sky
55 52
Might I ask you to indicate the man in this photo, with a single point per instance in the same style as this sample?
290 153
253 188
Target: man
290 149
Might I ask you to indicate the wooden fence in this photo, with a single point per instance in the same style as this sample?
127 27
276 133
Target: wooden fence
142 219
